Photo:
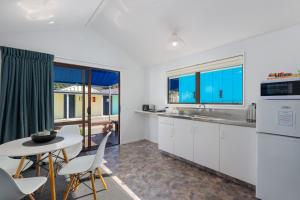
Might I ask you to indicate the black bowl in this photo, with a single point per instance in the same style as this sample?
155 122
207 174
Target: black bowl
43 138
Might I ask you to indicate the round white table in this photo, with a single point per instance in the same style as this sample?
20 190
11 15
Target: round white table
18 148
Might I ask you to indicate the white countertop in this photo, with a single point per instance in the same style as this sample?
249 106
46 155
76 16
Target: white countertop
204 119
147 112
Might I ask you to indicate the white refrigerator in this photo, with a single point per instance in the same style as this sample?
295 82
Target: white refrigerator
278 150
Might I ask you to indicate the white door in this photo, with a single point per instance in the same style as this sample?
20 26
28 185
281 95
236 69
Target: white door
183 139
280 117
278 174
238 152
207 144
165 134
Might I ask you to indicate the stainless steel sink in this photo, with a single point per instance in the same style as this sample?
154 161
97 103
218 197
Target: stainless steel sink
195 117
206 117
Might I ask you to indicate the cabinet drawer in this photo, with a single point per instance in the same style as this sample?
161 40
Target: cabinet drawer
166 120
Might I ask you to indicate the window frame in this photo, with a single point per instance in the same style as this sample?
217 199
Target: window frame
231 104
197 97
198 77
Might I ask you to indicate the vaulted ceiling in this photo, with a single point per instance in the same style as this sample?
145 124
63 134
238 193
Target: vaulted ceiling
142 28
37 15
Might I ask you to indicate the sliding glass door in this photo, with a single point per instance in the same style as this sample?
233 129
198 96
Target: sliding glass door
69 97
103 107
104 104
89 98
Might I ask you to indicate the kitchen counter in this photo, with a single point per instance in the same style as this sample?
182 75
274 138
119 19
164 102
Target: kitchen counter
147 112
210 119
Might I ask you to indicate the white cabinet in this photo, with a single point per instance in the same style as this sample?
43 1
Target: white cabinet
238 152
225 148
165 134
206 144
183 139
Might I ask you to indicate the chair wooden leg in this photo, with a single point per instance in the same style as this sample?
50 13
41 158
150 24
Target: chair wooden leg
31 197
20 167
37 165
93 185
65 156
52 178
76 183
101 178
66 194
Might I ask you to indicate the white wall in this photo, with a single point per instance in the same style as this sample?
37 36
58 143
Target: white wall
272 52
88 48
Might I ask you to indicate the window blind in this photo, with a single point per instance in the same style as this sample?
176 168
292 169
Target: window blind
217 64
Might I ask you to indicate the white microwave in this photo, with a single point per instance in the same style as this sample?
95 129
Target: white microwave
280 89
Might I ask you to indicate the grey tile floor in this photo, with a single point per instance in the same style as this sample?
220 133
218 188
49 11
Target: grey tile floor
152 175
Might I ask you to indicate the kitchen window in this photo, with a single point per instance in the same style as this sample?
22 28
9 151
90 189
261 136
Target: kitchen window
217 82
182 89
223 86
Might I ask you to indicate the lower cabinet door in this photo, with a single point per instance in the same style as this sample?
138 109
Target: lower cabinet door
183 139
206 144
238 152
165 137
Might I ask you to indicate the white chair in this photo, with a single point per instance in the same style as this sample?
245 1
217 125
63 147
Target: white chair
71 151
74 150
80 166
10 165
13 189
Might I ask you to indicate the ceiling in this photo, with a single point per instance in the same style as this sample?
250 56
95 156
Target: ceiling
35 15
142 28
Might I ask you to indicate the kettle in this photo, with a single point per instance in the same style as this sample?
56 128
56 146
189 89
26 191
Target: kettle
251 113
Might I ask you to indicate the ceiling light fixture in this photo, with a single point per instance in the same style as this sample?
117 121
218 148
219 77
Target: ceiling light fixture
51 22
175 41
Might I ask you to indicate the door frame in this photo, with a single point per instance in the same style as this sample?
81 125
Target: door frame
87 69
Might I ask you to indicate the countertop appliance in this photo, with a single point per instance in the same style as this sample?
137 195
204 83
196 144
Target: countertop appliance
285 88
148 107
278 145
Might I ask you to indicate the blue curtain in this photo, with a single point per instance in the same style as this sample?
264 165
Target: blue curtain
26 100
